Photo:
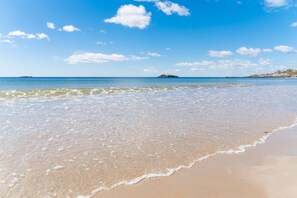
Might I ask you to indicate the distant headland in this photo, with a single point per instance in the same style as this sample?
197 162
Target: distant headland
26 77
290 73
168 76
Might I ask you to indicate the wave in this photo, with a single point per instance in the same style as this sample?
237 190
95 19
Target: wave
171 171
64 92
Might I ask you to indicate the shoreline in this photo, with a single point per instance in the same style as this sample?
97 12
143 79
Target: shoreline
171 171
220 174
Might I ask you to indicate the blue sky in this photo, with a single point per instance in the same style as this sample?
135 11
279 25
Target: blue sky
147 37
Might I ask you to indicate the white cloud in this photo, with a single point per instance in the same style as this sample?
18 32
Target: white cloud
102 31
170 8
42 36
23 35
8 41
104 43
88 57
276 3
138 58
285 49
191 64
220 64
264 61
267 50
150 70
31 36
154 54
131 16
17 33
146 0
294 24
50 25
219 54
70 28
248 51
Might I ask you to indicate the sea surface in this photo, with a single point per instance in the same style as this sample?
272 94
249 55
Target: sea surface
75 137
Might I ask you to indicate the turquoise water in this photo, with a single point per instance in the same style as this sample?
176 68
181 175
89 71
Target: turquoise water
48 83
74 137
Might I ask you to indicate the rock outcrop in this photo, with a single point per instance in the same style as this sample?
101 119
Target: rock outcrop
290 73
168 76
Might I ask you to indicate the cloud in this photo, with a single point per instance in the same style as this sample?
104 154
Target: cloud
138 58
220 64
276 3
70 28
267 50
154 54
244 51
146 0
191 64
219 54
23 35
231 65
8 41
42 36
170 8
285 49
264 61
102 31
294 24
131 16
104 43
150 70
17 33
99 58
50 25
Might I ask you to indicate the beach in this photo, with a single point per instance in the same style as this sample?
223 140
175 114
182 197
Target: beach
148 99
266 171
86 137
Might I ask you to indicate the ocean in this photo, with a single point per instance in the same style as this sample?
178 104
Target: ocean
75 137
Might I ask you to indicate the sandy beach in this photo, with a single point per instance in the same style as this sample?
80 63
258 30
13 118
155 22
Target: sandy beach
268 170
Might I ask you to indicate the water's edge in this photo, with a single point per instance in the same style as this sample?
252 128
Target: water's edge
171 171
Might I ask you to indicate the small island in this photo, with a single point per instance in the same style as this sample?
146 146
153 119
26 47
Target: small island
26 77
290 73
168 76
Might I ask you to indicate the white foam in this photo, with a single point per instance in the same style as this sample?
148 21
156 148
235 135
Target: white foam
171 171
13 182
47 171
58 167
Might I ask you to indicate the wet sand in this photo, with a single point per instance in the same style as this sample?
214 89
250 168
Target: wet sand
268 170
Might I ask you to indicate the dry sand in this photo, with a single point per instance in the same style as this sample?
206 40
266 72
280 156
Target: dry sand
269 170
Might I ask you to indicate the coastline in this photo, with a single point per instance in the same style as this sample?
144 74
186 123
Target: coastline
225 175
102 191
80 149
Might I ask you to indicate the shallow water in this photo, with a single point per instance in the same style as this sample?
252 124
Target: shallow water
66 141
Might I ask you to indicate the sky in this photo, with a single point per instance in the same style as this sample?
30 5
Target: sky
131 38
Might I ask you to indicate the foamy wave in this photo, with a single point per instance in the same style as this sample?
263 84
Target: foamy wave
171 171
64 92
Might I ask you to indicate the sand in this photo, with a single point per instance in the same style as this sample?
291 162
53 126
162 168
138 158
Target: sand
268 170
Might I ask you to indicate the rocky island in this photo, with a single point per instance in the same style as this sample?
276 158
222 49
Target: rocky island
168 76
290 73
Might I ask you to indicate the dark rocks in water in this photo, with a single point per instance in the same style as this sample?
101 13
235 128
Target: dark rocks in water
168 76
266 132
